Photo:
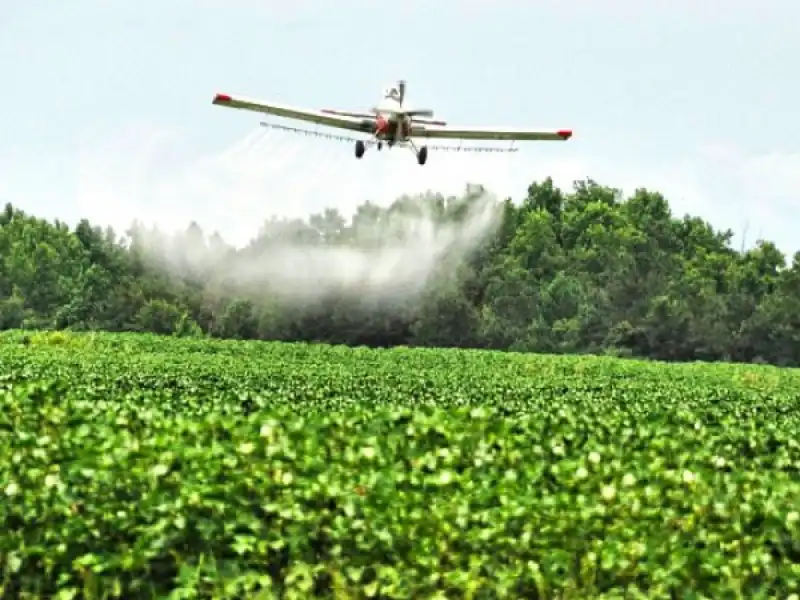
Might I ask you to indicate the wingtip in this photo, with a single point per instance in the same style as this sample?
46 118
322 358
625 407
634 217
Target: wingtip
564 134
221 99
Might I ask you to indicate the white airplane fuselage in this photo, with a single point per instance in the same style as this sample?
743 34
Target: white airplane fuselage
391 125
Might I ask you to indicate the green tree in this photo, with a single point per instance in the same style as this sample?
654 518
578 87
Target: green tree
583 270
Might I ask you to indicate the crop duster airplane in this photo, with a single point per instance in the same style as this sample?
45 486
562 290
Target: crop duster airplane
391 123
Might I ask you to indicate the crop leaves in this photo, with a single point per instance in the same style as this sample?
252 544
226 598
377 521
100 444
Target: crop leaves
141 467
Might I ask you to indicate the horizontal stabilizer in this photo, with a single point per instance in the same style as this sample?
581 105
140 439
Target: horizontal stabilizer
347 113
420 112
430 122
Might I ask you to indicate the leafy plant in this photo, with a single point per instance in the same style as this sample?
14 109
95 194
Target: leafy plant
147 467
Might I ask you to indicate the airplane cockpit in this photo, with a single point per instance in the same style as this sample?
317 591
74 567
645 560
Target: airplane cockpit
392 92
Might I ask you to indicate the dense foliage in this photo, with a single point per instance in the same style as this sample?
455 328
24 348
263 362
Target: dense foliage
141 466
580 272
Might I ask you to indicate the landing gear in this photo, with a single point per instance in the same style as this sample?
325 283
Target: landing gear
421 152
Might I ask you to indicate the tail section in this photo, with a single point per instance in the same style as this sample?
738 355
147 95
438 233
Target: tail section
433 122
419 112
394 108
346 113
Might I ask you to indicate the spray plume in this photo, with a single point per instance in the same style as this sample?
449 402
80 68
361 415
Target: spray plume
381 254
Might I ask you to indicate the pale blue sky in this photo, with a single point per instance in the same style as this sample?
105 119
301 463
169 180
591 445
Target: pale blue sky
107 105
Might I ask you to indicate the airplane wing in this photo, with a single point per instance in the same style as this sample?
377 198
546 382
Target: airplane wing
491 133
293 112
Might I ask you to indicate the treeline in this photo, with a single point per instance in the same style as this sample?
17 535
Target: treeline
586 271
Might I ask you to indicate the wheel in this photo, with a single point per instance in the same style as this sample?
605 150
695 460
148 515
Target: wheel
422 155
380 145
360 149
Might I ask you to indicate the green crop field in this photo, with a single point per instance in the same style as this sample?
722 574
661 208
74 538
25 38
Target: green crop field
145 467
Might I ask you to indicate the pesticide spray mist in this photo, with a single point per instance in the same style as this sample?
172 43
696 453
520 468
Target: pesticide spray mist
391 259
371 255
396 258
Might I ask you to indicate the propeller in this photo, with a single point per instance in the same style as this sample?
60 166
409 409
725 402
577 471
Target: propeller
401 87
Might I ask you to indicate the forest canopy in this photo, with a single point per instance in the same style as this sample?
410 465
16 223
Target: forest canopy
580 271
